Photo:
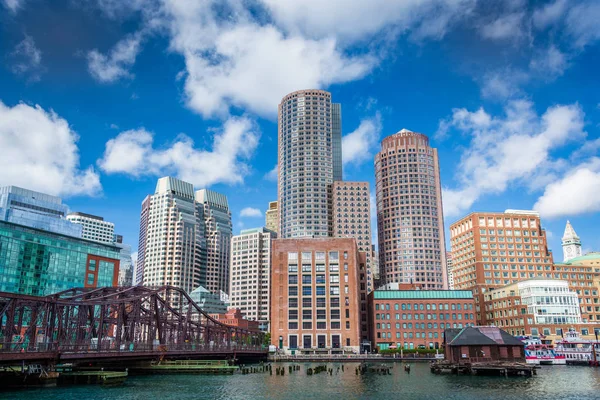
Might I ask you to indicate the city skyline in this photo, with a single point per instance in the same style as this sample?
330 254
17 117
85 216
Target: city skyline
114 134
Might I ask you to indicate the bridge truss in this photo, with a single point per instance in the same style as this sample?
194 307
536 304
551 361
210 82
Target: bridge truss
115 319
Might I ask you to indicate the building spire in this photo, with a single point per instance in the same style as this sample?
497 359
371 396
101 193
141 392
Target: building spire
569 232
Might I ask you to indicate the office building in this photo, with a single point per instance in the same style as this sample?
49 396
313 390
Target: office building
93 227
36 210
307 139
449 272
250 274
218 232
402 317
352 218
317 287
571 243
209 302
336 140
141 256
272 217
40 262
410 222
172 241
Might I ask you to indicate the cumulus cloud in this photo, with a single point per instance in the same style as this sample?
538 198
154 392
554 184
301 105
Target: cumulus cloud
508 149
273 174
582 22
26 59
39 152
549 13
550 62
251 212
576 193
508 26
359 145
13 5
115 65
132 153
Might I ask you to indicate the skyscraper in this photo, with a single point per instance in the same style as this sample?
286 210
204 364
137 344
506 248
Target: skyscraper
218 231
307 138
336 140
172 234
410 222
93 227
571 243
250 274
272 217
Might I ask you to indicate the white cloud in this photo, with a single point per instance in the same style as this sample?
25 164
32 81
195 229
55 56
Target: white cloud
27 59
582 22
132 153
13 5
273 174
576 193
359 145
39 152
508 150
549 63
549 13
508 26
114 66
251 212
503 84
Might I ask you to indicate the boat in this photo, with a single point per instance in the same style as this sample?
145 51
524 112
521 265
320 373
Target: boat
577 350
538 353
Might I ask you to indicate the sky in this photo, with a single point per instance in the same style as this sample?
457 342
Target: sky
100 98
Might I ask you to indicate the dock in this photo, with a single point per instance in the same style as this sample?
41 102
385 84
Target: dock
92 377
501 368
215 367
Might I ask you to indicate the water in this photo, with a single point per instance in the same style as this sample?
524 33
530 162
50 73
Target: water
551 382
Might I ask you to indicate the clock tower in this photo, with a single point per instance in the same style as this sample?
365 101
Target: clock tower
571 243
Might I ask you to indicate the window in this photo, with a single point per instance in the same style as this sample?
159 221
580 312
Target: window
334 302
334 290
293 268
335 314
320 279
293 302
293 290
292 325
306 291
334 279
320 290
321 314
293 279
292 314
306 268
293 342
306 314
306 302
321 302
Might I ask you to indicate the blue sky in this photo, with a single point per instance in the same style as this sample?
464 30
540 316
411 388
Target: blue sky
99 98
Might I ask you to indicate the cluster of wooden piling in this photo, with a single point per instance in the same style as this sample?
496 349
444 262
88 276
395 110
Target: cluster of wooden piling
378 369
485 368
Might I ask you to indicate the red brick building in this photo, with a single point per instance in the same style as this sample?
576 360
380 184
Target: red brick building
234 317
482 343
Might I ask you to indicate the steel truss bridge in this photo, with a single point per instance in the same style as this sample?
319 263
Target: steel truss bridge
116 323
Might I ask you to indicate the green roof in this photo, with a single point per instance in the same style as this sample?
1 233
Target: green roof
587 257
421 294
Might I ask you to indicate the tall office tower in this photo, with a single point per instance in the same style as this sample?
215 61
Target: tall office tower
336 140
174 251
138 278
317 288
218 231
250 274
306 163
93 227
272 217
491 250
352 218
571 243
449 272
36 210
410 221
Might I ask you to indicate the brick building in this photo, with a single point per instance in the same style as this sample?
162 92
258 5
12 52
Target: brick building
417 318
234 317
318 295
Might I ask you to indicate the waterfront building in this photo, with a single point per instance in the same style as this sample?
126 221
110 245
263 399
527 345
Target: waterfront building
40 262
36 210
308 156
402 317
571 243
141 256
209 302
172 241
491 250
318 286
235 317
488 342
410 222
250 274
537 307
93 227
352 218
449 270
272 217
218 232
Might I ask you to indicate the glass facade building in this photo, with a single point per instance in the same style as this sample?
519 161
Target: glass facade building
37 262
36 210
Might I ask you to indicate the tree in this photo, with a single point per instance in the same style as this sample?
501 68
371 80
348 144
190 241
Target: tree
267 339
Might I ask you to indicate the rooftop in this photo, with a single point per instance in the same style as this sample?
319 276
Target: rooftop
421 294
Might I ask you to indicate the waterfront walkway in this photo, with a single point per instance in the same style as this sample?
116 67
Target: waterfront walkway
352 357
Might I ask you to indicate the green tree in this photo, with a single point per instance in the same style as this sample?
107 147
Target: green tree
267 339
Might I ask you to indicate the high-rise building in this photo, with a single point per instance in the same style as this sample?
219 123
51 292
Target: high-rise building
272 217
352 218
93 227
218 231
173 244
36 210
141 258
449 270
410 223
307 163
491 250
336 140
571 243
41 262
317 288
250 274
